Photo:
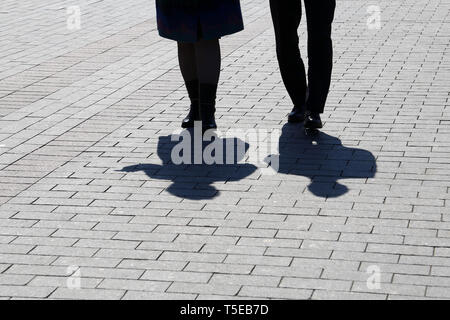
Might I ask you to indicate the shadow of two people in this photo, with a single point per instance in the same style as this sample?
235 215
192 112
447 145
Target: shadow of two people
322 158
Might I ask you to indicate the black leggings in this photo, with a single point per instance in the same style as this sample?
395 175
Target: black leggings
200 61
286 16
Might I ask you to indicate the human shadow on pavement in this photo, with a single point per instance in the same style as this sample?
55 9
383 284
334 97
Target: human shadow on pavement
324 160
195 180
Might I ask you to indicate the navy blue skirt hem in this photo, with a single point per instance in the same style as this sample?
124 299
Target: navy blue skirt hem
192 20
204 36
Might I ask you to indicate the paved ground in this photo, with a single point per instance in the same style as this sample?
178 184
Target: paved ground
368 201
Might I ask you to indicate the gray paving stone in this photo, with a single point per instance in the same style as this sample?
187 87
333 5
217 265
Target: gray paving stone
421 280
355 275
153 265
15 248
145 295
16 280
25 291
397 268
365 256
137 285
258 260
438 292
139 237
325 264
212 297
315 284
111 273
218 289
188 256
400 249
252 280
63 251
392 289
171 276
219 268
339 295
87 294
86 262
26 259
62 281
275 293
108 244
232 249
243 232
118 254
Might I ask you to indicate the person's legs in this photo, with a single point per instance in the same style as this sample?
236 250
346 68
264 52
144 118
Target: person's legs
286 16
188 63
208 61
320 15
188 67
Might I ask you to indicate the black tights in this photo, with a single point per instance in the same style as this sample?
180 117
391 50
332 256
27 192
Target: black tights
200 61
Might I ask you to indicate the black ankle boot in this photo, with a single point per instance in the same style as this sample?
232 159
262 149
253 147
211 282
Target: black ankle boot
297 114
313 121
208 105
194 113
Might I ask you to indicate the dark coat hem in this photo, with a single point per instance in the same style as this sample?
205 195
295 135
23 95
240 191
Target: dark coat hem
178 38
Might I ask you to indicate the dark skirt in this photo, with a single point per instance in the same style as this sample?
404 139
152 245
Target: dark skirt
192 20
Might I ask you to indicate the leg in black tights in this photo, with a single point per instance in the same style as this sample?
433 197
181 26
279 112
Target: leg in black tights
200 66
208 60
208 70
200 61
187 60
188 67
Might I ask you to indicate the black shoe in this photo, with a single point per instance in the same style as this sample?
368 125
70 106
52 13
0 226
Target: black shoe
208 117
209 124
208 106
297 115
313 121
194 113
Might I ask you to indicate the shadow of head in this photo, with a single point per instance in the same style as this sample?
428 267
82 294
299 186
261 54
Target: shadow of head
324 160
193 166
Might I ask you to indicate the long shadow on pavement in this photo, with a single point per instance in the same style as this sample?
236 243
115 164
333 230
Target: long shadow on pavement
324 160
321 158
196 181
